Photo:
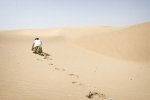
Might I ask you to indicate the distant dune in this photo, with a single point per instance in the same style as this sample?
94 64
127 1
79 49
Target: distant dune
128 43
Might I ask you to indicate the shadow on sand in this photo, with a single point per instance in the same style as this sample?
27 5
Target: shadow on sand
42 54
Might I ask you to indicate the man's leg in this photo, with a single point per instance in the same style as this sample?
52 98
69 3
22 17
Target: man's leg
39 50
35 49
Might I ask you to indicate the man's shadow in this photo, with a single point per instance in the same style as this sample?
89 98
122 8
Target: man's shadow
42 54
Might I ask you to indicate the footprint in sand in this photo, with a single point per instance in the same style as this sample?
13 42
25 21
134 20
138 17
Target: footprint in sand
50 64
77 83
81 84
74 75
74 82
63 69
93 94
57 68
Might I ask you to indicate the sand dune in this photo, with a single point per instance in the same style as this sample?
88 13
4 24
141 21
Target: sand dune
127 43
98 63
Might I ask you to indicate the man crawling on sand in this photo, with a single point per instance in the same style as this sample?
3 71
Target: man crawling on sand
37 46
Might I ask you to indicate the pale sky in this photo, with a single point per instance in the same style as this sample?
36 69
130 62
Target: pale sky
16 14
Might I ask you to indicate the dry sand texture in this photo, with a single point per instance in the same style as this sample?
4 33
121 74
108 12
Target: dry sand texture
98 63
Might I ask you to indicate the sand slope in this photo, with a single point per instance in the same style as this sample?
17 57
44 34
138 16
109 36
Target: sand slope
128 43
71 71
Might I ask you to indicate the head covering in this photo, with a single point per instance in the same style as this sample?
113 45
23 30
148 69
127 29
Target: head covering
36 38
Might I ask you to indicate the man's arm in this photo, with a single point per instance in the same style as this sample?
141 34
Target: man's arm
32 46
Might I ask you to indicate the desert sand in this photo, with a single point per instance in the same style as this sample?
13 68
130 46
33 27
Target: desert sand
113 63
